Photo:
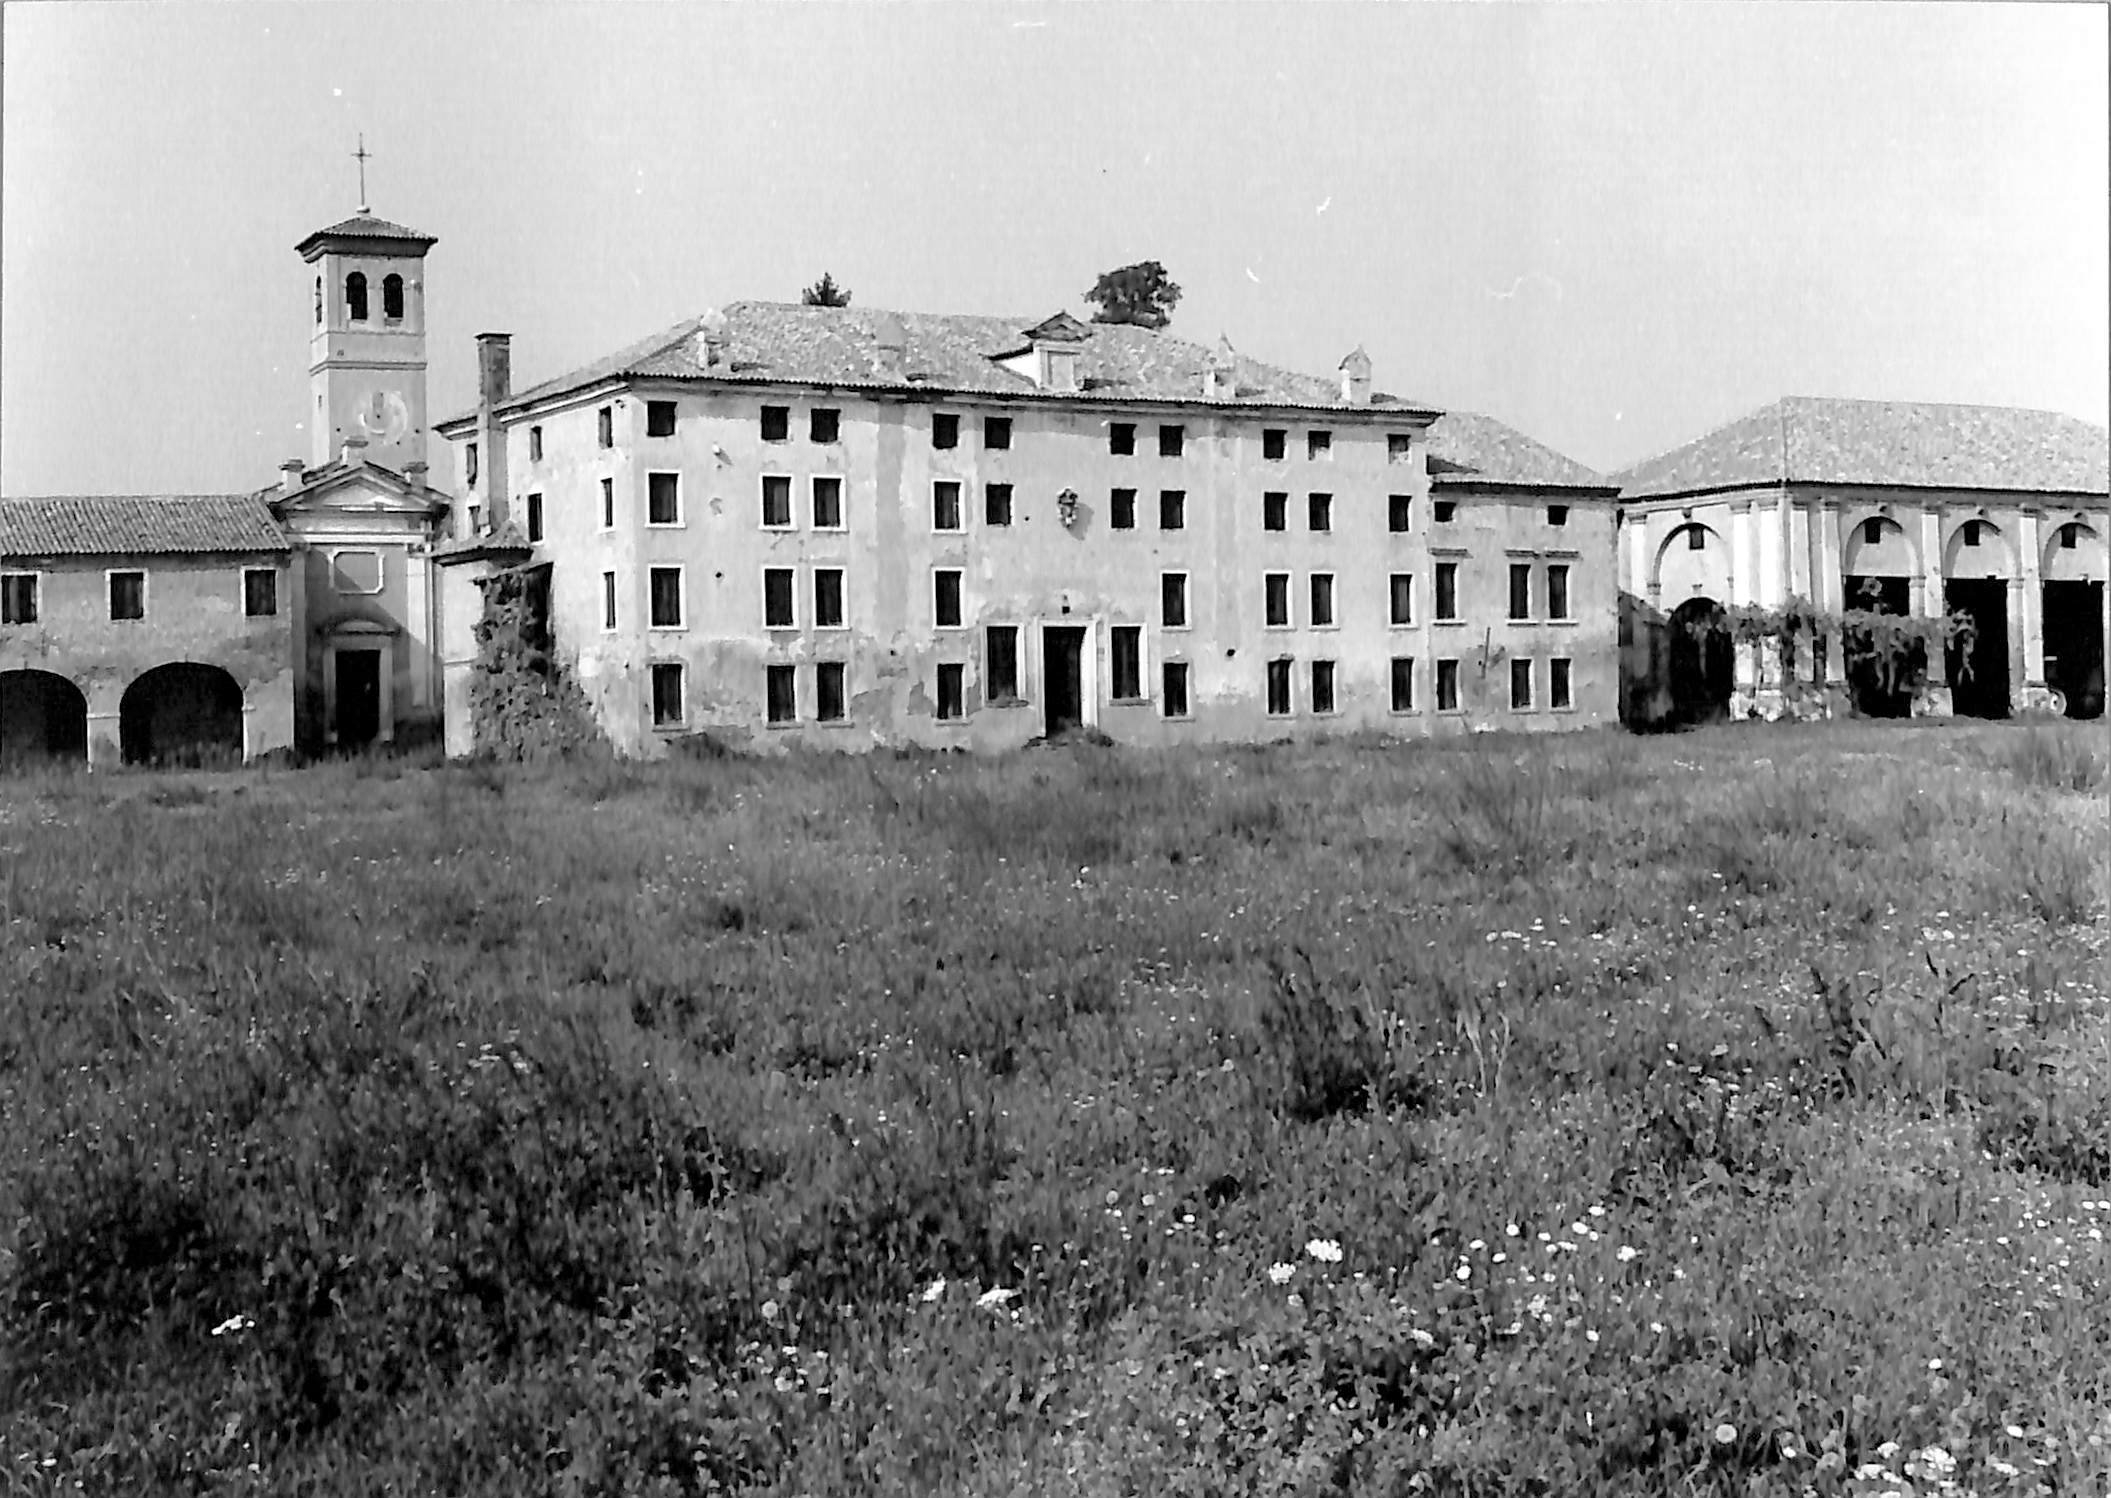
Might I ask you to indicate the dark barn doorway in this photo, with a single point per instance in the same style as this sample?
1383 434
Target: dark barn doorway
1978 677
2074 645
1881 687
1703 663
43 716
181 714
1063 666
358 697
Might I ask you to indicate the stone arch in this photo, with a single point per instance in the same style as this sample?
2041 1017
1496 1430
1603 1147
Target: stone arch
2073 608
1682 570
43 716
355 296
2081 561
1978 569
392 298
1891 552
1702 662
181 713
1994 556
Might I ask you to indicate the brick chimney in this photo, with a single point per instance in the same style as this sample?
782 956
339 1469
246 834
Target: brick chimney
711 341
291 474
891 344
1356 378
494 368
1220 381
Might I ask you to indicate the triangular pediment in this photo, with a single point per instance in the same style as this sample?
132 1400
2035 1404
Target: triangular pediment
1062 328
356 489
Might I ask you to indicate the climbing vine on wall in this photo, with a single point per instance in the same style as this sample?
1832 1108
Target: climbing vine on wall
1897 647
525 704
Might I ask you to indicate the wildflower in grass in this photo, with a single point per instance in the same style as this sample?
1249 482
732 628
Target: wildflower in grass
769 1310
1280 1273
990 1299
936 1289
1628 1253
235 1323
1725 1433
1326 1250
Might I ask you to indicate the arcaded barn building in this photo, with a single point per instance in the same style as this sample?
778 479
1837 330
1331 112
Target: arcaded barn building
1905 507
842 526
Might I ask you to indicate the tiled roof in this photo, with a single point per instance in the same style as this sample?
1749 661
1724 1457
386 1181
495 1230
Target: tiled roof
364 226
1468 448
137 525
944 352
1911 443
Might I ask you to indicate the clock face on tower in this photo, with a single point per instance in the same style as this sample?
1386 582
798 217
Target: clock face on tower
383 416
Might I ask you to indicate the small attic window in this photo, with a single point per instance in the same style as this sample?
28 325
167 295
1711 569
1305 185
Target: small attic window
1971 533
1557 514
1399 447
1121 438
2070 535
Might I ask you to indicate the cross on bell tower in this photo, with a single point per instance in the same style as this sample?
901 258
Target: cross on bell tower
362 156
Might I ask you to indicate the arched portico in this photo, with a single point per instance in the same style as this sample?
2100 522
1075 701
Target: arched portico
43 716
1702 664
1979 581
182 713
2072 569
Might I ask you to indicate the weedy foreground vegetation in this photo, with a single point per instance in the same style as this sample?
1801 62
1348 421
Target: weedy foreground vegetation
1727 1113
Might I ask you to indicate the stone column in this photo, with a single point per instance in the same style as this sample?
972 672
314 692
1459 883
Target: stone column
2035 695
1933 700
1829 592
1744 571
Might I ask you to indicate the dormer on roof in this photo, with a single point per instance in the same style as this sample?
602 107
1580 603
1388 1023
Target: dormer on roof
1053 348
1356 378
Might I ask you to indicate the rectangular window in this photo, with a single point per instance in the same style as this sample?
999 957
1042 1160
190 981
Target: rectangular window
1403 683
996 433
1971 533
1171 440
18 598
824 424
1275 600
663 499
1399 447
666 694
952 691
1173 698
1399 512
1275 511
1872 531
1558 590
1273 444
776 423
1447 686
469 465
666 597
1447 590
778 610
608 504
608 600
945 429
1122 506
1319 445
534 518
1401 591
1172 600
777 501
605 426
828 691
997 504
1520 590
1696 538
2070 535
828 504
1279 688
945 597
260 594
1001 663
1323 686
1520 684
1172 509
1126 641
1443 511
828 598
1558 684
534 444
1121 438
1322 600
659 418
1319 512
945 505
780 686
1557 514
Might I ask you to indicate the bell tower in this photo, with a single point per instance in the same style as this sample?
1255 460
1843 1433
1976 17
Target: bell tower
366 364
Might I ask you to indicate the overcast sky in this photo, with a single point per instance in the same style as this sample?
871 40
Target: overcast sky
1613 226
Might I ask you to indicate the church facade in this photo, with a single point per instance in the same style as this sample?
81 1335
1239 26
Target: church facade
297 617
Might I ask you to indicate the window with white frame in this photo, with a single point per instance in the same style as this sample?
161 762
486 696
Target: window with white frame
1520 684
1279 687
1275 600
608 600
128 595
1403 683
663 499
777 501
780 689
1001 663
831 701
1400 592
664 591
945 505
828 503
778 609
260 592
1322 686
1125 647
1322 600
945 598
1172 600
18 598
1560 683
667 704
1557 590
828 598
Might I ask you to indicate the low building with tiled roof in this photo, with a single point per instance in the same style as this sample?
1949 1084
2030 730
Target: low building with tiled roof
138 524
1917 507
842 525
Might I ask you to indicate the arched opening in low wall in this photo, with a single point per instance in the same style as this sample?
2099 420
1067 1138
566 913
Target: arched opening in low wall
181 714
43 716
1702 662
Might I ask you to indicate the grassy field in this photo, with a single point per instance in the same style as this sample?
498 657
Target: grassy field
1722 1113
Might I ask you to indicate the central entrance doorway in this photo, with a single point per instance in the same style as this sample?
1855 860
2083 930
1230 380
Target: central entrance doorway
1063 672
358 697
1979 680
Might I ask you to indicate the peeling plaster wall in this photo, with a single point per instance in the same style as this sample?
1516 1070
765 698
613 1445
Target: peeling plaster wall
1037 572
193 614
